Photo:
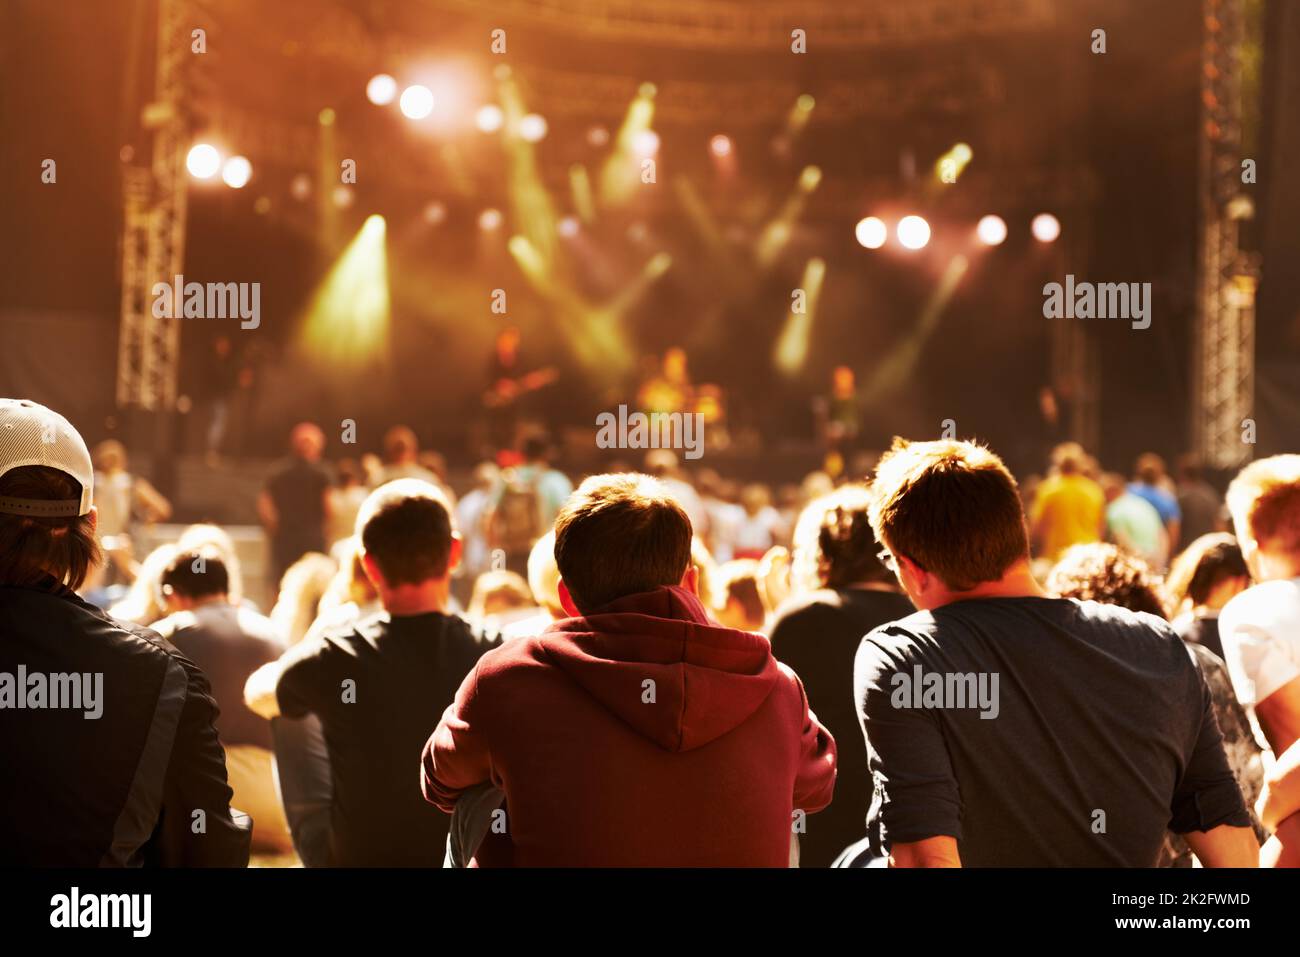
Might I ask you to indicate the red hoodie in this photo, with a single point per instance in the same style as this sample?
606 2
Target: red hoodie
643 735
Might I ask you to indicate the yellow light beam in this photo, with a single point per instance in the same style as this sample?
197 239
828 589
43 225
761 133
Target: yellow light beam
791 349
346 325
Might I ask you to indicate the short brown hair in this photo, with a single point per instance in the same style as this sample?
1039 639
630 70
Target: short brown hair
405 526
620 535
1264 500
32 548
952 508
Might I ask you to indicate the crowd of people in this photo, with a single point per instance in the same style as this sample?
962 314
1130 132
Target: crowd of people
927 664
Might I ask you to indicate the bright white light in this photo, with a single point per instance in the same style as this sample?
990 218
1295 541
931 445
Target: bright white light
532 128
646 142
381 89
913 232
416 102
489 219
991 230
1045 227
568 227
203 161
720 145
237 172
871 232
489 118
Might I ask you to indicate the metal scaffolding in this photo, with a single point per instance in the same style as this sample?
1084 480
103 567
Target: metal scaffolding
153 229
1224 380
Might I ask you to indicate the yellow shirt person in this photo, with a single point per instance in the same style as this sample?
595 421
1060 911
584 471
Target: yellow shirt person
1067 511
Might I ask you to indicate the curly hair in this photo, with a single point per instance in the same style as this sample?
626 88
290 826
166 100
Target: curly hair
1102 572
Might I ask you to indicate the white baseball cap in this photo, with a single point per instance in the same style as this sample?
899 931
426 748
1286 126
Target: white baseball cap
31 434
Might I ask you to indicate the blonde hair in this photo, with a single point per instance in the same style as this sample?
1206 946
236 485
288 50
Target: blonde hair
498 591
544 575
1264 500
301 589
142 603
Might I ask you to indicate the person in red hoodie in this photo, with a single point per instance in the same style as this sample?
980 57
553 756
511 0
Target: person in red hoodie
636 732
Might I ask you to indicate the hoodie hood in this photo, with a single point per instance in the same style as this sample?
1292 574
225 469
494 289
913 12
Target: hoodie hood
707 679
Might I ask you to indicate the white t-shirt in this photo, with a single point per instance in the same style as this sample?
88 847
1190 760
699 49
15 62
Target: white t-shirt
1260 629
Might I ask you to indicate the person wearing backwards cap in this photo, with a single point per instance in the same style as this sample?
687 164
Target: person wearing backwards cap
107 732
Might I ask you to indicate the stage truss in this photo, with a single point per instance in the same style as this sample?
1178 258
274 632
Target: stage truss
1224 362
153 228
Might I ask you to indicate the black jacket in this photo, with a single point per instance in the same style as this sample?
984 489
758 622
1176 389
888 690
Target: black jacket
144 783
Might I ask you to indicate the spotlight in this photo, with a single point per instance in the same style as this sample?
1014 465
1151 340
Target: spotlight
1045 227
991 230
237 171
568 227
720 145
913 232
203 161
381 89
489 219
489 118
532 128
435 212
416 102
871 232
809 177
646 142
343 196
300 188
598 136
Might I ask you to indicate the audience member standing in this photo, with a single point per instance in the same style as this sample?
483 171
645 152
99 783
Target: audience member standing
636 732
120 790
379 684
1069 507
295 506
817 634
1260 629
1008 728
1151 483
229 643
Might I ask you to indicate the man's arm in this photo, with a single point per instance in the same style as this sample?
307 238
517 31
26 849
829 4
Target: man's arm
1279 717
259 690
1281 795
1224 846
814 782
917 794
1207 808
195 790
267 512
1283 848
456 757
152 501
938 851
293 684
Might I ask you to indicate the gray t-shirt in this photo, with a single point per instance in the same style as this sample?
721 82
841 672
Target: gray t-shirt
1039 732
